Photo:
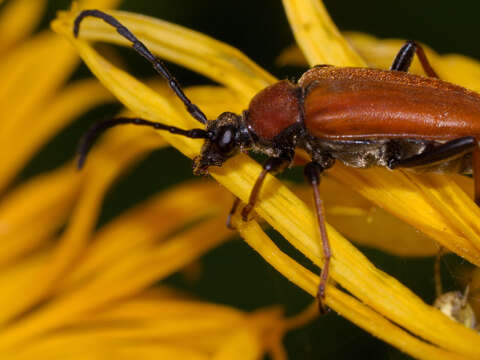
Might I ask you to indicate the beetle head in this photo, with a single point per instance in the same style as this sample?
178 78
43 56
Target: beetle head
226 136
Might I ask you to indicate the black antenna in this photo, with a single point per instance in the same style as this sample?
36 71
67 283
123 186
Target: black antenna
97 129
140 48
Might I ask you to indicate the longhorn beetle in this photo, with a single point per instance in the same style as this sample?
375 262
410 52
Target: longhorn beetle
362 117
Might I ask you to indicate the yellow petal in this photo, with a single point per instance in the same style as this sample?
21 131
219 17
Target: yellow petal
140 226
20 100
17 20
104 4
126 277
212 99
70 103
243 344
33 60
432 203
100 172
31 213
76 347
176 327
317 36
292 56
360 221
154 307
17 276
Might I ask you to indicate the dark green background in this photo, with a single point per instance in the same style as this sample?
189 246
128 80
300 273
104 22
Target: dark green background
234 274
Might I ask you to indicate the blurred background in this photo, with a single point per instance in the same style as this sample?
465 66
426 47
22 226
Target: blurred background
234 274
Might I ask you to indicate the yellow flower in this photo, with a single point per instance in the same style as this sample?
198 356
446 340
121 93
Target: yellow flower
441 209
69 291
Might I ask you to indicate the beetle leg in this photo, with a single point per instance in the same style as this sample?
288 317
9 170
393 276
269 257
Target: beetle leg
233 210
476 173
273 165
448 151
312 173
405 56
437 272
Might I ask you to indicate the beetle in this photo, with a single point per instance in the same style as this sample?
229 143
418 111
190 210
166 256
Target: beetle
360 116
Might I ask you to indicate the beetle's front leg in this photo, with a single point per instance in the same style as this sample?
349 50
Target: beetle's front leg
273 165
404 58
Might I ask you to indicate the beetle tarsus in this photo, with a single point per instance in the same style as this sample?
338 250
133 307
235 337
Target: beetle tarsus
404 58
233 210
247 210
322 307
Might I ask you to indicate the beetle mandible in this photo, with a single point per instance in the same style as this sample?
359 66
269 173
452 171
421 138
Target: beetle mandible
359 116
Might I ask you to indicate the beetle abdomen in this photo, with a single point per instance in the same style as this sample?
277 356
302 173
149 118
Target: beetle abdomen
274 109
359 103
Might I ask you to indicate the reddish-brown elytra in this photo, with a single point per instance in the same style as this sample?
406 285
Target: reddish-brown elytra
362 117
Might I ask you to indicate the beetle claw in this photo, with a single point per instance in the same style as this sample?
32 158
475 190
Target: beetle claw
322 307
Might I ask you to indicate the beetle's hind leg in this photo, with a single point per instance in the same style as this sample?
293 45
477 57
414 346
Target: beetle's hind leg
404 58
449 151
312 173
476 172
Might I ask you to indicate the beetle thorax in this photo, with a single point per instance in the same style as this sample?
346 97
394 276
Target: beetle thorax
274 109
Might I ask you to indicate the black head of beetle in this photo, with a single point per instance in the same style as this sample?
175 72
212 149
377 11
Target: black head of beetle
227 135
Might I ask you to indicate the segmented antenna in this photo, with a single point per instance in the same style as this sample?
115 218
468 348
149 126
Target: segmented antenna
97 129
140 48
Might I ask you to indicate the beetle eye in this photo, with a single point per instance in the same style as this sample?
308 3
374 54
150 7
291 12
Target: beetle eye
226 140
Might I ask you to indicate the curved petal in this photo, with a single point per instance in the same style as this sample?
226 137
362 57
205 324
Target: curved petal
18 19
317 35
35 210
74 100
99 173
142 226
